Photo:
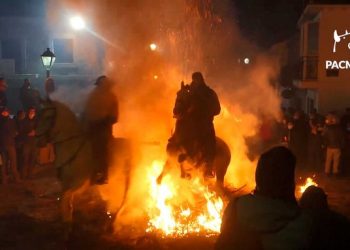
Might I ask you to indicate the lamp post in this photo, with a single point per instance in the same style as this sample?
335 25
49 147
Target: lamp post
48 58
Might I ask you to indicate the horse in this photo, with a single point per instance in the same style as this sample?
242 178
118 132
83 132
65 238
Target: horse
58 125
181 147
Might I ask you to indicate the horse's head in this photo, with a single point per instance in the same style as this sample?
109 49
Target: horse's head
182 101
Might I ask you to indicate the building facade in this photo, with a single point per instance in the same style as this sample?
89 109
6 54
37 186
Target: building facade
26 30
324 39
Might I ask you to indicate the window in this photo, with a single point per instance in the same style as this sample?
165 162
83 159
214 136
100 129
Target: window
11 49
312 38
63 49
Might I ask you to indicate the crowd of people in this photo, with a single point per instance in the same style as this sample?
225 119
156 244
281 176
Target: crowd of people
18 150
320 143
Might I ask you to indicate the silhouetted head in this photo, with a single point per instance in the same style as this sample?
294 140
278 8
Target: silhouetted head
274 175
26 83
314 198
197 79
100 80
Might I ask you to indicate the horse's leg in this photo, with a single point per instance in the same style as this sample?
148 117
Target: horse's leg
67 213
165 170
67 206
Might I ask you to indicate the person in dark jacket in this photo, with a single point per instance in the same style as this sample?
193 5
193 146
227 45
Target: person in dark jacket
298 138
29 144
204 105
331 230
315 151
269 218
8 134
334 139
28 96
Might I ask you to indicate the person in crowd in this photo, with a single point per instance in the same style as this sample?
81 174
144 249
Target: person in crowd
334 140
315 143
298 137
29 144
8 134
3 97
330 229
345 124
203 106
49 87
100 113
345 119
29 96
270 217
20 118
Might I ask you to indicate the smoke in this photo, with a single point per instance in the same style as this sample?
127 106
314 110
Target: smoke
191 35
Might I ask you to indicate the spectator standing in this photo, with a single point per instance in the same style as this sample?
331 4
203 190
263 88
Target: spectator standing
28 96
20 117
29 145
3 98
334 141
298 138
8 133
315 152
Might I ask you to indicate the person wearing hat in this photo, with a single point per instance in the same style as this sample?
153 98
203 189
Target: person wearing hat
268 218
100 113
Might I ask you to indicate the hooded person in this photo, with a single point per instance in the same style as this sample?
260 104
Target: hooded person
269 218
204 105
331 230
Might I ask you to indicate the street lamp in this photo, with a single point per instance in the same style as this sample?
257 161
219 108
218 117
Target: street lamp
48 58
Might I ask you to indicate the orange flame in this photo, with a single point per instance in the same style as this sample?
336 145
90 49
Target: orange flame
168 217
309 182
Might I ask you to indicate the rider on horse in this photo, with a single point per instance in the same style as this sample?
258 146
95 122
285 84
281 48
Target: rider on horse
199 104
101 112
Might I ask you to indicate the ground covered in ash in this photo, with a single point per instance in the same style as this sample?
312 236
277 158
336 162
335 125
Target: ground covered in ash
30 218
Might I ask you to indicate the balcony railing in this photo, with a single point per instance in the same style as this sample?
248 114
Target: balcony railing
309 68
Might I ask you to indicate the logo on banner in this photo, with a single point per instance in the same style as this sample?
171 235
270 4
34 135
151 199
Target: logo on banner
342 64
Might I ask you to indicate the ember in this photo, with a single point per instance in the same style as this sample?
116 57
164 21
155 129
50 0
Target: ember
174 218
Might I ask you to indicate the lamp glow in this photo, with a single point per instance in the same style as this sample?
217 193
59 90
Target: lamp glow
77 23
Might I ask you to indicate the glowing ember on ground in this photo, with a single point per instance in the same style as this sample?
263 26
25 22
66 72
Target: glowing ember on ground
309 182
171 215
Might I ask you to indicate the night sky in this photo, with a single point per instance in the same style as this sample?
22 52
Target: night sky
266 22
